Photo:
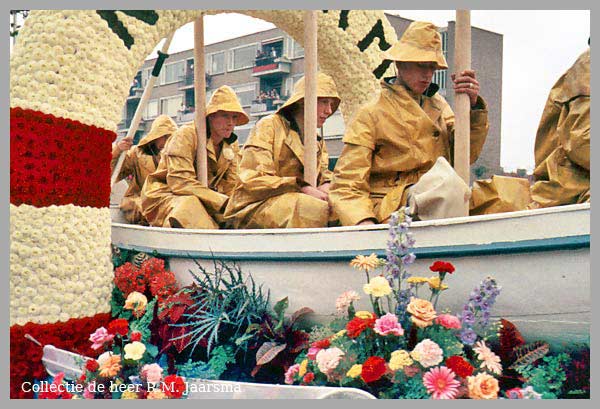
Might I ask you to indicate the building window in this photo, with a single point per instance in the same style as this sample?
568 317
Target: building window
171 105
246 93
242 57
297 50
172 72
215 63
151 110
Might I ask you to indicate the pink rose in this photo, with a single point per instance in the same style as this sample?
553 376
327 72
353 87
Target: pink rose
289 374
152 373
388 325
448 321
328 359
99 337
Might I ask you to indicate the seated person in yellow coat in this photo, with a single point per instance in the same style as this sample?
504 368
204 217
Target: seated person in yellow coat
172 196
398 137
271 192
562 143
140 161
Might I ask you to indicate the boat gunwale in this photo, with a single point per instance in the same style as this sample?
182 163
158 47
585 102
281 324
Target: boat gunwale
377 227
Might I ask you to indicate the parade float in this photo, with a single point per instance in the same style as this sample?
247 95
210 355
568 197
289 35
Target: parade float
70 75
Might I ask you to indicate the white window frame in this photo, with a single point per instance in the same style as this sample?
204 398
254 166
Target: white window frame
146 114
246 85
209 64
293 55
178 96
162 77
231 59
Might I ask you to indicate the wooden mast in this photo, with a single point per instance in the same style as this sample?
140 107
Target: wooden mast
200 101
310 97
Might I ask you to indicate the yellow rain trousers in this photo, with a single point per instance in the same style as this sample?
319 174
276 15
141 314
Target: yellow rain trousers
562 144
389 145
271 175
139 163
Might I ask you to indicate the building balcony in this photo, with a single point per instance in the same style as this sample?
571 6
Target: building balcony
269 66
187 81
135 92
266 107
185 116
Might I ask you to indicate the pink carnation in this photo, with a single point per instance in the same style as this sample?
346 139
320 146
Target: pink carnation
345 299
152 373
427 353
289 374
99 337
388 325
328 359
448 321
312 353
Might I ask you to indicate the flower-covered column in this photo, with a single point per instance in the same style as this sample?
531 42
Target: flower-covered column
70 73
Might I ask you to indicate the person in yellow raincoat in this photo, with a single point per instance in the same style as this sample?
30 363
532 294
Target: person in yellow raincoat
140 161
172 195
562 143
271 192
398 137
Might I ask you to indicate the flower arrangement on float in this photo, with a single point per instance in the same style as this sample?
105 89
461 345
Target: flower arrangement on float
405 347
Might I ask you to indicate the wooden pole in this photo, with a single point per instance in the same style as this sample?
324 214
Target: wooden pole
135 122
310 97
462 124
200 101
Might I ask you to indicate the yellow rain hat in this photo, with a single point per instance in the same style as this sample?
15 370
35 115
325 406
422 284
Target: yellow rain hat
162 125
325 89
421 42
225 99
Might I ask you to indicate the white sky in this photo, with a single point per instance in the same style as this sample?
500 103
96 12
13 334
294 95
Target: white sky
539 46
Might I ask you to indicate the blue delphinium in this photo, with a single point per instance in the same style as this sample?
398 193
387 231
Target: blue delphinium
476 312
399 257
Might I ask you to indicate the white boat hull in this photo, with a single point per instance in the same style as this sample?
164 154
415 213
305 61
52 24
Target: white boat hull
539 257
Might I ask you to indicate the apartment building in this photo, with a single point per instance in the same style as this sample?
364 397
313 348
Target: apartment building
263 67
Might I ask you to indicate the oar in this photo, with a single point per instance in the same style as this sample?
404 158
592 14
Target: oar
135 122
310 97
462 124
200 101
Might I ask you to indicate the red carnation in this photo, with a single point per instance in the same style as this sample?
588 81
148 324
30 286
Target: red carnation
442 267
135 336
173 386
119 326
357 325
308 378
321 344
92 365
373 369
460 366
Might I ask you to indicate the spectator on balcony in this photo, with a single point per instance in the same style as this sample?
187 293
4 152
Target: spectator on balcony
271 192
172 196
140 161
273 93
273 52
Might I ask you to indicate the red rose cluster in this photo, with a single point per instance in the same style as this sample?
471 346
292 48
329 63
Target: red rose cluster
26 356
58 161
151 276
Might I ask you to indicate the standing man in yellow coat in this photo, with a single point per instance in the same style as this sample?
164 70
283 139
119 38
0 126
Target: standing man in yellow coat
271 192
172 196
562 143
397 138
140 161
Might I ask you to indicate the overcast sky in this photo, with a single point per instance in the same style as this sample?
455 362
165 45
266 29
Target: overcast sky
539 46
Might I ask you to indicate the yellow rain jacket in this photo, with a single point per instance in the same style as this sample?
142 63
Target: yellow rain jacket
140 161
395 139
271 172
562 144
389 145
172 196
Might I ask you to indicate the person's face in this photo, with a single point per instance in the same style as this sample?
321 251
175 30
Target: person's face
160 142
325 107
416 75
222 124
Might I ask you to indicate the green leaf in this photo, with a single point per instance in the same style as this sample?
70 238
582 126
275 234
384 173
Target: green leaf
152 350
280 308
